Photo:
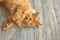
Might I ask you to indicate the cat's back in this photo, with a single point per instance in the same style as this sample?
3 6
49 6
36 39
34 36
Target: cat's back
10 3
16 1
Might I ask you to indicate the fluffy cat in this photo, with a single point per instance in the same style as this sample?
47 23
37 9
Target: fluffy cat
21 13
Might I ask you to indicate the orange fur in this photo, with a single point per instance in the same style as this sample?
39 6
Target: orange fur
21 13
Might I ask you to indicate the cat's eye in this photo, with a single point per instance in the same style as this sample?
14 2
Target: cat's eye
30 19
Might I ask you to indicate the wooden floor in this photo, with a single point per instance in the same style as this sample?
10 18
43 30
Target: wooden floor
57 12
49 16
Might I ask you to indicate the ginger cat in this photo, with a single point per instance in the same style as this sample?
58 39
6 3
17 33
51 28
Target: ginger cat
21 13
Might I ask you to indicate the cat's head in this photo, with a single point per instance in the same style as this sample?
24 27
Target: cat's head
31 19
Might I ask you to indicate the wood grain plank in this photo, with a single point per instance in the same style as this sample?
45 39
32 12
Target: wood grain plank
58 32
57 12
57 7
49 19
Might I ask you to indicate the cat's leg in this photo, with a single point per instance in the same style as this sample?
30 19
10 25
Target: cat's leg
12 10
8 25
10 22
19 17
